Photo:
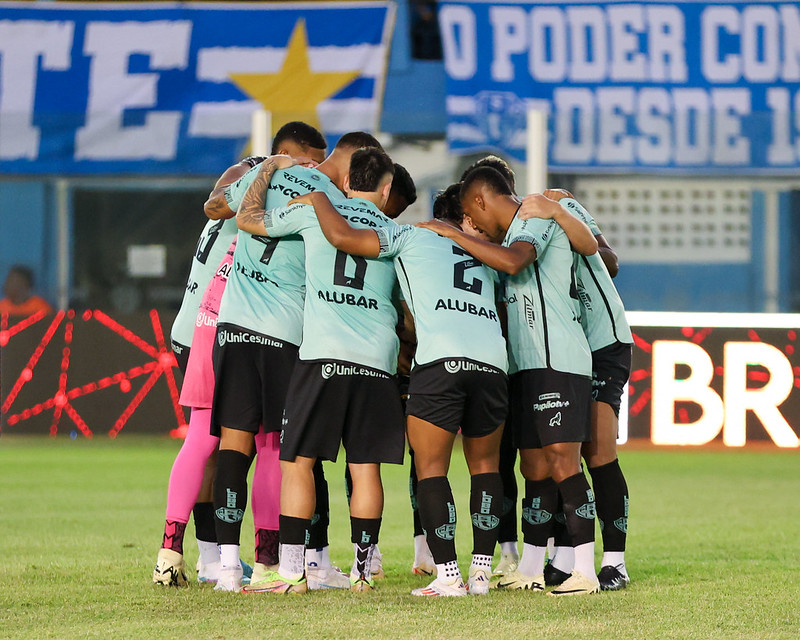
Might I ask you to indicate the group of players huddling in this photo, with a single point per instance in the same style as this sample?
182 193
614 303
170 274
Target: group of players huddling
309 313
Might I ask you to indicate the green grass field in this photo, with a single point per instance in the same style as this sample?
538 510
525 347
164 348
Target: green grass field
714 552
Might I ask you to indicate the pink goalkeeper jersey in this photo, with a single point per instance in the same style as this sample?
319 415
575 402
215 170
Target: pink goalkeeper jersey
198 384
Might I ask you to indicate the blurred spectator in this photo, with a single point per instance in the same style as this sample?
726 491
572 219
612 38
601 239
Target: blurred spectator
18 290
426 44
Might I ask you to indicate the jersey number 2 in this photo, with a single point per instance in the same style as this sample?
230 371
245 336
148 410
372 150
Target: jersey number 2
458 272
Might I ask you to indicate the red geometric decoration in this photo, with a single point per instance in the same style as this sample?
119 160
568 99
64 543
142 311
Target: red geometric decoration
159 361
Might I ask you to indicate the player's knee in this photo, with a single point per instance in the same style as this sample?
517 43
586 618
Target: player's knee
534 467
483 462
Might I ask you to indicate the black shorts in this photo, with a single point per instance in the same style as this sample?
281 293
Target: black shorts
611 368
332 402
547 407
251 374
181 355
459 393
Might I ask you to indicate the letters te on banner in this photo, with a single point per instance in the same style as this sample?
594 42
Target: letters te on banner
699 378
121 87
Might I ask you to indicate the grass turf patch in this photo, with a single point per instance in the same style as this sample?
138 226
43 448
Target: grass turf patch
712 552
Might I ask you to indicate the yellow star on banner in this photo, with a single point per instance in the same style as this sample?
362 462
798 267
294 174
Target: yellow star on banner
294 92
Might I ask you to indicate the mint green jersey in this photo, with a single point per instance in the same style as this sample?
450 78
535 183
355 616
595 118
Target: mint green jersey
451 296
603 317
544 328
349 315
214 241
266 286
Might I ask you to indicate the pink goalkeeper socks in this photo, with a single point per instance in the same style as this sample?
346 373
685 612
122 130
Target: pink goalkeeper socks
266 490
186 476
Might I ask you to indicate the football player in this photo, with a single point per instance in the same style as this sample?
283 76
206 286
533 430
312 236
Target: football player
550 362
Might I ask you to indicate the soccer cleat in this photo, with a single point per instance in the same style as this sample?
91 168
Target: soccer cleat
438 588
361 583
247 572
508 564
261 570
553 576
577 585
376 566
230 579
170 569
423 568
329 577
274 582
424 565
478 581
208 573
517 580
612 579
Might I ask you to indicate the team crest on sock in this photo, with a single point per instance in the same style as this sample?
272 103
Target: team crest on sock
587 511
484 520
229 513
535 515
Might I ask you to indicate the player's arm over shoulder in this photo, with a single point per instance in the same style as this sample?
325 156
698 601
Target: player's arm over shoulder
607 253
360 242
548 205
216 207
512 259
250 216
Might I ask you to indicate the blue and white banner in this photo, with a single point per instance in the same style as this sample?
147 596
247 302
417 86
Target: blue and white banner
171 88
710 87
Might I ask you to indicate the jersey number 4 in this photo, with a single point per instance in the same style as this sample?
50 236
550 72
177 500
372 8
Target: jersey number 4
204 248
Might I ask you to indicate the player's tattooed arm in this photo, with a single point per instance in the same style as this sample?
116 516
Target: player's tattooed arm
251 212
359 242
250 216
546 206
511 260
216 207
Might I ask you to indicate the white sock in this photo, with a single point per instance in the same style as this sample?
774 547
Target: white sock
614 559
421 549
229 555
551 547
584 559
448 572
564 559
293 560
482 562
209 552
509 548
532 562
318 557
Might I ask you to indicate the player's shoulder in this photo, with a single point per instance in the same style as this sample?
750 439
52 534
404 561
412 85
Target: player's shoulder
292 212
532 227
368 212
575 208
402 233
430 238
299 172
